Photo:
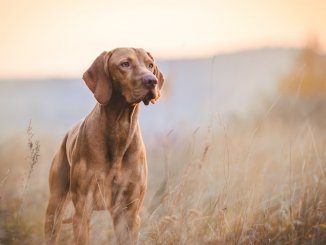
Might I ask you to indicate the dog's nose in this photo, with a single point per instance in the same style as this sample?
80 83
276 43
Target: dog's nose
149 80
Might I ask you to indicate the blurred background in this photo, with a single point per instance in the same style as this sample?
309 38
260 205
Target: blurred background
236 144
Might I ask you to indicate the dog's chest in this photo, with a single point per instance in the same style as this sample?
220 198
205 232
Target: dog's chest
119 141
119 187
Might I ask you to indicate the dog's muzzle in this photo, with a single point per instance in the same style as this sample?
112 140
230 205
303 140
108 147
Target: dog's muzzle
150 81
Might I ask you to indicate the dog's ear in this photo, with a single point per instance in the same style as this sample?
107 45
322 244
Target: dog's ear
157 73
97 78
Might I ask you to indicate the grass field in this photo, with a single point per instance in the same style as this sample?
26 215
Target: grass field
254 180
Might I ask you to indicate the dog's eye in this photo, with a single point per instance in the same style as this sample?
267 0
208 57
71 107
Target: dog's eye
125 64
150 65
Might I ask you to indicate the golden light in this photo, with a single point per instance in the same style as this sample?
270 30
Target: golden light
59 38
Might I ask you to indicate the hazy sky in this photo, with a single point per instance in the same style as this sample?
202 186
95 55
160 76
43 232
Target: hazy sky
62 37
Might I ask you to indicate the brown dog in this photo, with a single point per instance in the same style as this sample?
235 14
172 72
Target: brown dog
101 163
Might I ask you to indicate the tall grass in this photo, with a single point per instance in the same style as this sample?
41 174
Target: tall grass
237 181
15 226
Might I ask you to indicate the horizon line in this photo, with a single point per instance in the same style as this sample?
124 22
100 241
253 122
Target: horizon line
222 53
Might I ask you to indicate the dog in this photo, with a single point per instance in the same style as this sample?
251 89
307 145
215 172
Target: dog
101 163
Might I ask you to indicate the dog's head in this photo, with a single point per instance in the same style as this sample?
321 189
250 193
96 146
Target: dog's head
127 71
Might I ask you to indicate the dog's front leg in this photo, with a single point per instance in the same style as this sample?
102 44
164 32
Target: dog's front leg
126 223
81 219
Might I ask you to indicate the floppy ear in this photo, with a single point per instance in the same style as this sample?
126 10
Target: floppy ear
97 78
157 73
159 77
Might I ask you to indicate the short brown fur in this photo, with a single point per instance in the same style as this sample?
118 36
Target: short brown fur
101 164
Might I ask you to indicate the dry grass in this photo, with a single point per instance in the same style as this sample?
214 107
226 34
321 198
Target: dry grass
250 188
237 181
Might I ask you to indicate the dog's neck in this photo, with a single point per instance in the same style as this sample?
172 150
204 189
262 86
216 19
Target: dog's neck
118 123
118 110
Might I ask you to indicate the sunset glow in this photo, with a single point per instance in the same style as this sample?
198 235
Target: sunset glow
60 38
